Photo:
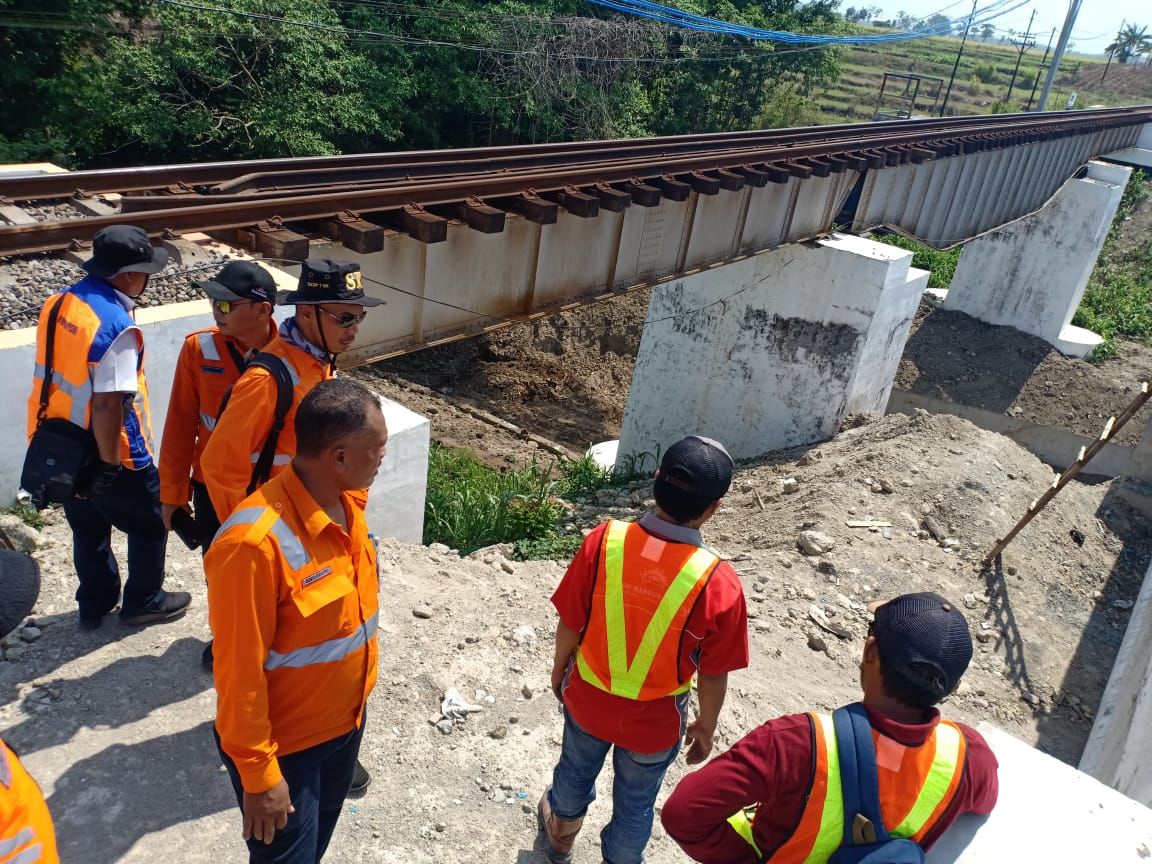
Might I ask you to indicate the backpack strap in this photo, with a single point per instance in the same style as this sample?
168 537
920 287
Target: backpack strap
285 390
859 778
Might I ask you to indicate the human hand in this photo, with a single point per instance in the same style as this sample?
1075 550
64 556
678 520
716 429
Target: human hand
557 683
267 812
699 740
166 511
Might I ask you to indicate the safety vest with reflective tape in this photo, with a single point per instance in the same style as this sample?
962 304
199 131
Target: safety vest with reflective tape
914 792
293 605
209 364
26 833
645 590
90 320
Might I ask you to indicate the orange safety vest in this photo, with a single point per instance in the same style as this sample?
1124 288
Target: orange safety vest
90 320
209 364
26 833
916 786
295 638
645 589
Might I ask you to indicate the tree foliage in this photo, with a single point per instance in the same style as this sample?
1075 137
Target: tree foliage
114 82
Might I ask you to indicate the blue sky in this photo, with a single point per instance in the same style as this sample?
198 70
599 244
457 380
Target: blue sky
1095 27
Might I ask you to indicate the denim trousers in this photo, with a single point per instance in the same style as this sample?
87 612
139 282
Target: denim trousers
318 779
132 505
635 785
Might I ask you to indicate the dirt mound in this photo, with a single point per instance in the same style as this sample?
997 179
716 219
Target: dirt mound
121 719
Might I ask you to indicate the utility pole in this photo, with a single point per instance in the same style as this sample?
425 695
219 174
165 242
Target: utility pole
1061 46
959 54
1112 53
1024 46
1036 80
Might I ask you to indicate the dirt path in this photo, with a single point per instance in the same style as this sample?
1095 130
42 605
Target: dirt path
117 724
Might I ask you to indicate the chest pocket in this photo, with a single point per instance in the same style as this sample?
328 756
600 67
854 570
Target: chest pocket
321 588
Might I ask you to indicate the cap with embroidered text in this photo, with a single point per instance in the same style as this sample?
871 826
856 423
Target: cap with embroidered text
240 280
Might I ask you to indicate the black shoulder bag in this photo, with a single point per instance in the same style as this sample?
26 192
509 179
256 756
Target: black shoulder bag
59 450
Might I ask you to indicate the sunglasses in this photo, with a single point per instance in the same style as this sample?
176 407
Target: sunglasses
225 307
344 322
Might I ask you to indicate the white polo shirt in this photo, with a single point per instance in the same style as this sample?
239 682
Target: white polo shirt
116 371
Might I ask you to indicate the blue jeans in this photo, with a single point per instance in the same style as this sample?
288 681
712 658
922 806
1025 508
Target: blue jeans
318 779
635 785
132 505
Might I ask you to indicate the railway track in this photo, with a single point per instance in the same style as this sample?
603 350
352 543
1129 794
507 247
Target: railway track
356 198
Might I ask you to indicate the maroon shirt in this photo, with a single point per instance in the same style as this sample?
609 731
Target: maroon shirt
772 767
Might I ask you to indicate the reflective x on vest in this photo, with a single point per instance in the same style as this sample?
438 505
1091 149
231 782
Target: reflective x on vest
644 585
918 799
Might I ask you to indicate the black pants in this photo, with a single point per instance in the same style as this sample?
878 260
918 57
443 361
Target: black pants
132 505
318 779
206 519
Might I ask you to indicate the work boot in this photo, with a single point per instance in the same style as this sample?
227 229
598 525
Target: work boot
360 780
168 606
559 834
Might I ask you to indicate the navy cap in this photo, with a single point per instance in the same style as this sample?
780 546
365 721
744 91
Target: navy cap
124 249
697 465
925 638
241 280
323 280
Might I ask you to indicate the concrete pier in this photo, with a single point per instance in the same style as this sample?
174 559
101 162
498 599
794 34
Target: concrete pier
773 350
1031 273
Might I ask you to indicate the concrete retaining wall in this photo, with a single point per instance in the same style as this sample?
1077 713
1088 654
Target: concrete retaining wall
772 351
396 500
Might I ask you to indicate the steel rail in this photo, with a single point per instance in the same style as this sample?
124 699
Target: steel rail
192 175
242 211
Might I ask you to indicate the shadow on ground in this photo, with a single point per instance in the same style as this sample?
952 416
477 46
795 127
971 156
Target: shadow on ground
102 806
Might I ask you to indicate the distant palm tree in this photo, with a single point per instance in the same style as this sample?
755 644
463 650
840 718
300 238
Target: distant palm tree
1130 43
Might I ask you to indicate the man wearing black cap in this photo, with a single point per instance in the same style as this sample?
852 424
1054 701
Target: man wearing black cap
762 798
26 832
98 384
330 303
643 608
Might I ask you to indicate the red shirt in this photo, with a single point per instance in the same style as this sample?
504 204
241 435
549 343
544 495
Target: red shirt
772 767
714 642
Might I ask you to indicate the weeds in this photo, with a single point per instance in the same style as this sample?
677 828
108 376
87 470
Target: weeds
28 515
941 264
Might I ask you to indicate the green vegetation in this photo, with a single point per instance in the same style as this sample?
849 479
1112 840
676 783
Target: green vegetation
940 263
28 515
471 505
1118 301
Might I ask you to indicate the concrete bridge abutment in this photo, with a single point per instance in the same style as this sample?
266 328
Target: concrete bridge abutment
1031 273
774 350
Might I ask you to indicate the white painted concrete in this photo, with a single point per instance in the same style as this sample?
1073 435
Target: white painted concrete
772 351
1030 274
1144 140
395 501
1119 748
1047 812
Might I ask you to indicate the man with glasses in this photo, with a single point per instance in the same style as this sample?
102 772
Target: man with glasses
330 303
242 295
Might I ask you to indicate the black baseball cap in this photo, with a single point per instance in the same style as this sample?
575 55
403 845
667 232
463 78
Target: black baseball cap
697 465
925 638
124 249
323 280
240 280
19 588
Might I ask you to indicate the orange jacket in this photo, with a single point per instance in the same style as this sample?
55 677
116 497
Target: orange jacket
89 321
26 832
292 600
231 453
208 365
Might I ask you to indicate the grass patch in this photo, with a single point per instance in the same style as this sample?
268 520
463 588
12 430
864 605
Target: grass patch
1117 303
28 515
470 505
941 264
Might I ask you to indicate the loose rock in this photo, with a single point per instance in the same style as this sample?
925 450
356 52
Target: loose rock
814 542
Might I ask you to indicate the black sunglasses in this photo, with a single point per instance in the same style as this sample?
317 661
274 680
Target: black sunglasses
345 321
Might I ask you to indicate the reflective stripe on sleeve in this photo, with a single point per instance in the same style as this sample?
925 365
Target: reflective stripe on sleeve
325 652
28 856
208 421
26 836
208 346
279 459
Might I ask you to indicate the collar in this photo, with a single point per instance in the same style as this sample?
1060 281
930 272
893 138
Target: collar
123 299
248 352
290 333
312 515
126 302
653 524
908 734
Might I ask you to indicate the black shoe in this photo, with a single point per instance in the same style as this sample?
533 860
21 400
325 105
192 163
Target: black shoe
206 658
360 781
167 607
90 622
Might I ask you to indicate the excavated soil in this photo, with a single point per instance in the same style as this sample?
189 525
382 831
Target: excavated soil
116 724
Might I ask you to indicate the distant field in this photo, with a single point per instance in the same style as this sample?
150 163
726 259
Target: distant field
982 81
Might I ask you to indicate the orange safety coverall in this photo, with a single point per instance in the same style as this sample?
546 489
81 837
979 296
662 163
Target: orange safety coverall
208 365
26 833
228 459
292 600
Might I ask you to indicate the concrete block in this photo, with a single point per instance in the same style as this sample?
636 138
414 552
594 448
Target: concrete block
396 499
1030 274
774 350
1144 142
1047 811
